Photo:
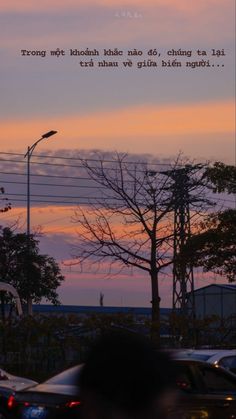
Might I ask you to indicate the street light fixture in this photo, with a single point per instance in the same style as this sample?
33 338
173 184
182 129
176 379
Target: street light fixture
28 154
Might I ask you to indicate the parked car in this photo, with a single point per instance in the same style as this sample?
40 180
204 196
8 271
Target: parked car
8 384
204 392
14 382
54 398
5 393
223 358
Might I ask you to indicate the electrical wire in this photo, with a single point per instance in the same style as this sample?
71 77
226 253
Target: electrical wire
218 199
42 201
65 177
90 159
75 186
50 176
67 196
56 184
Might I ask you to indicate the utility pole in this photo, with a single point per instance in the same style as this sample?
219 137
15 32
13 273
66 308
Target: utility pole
183 279
184 183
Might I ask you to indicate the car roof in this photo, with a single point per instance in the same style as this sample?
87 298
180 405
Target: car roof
211 351
207 353
199 362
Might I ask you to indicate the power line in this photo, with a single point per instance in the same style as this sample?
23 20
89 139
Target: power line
83 187
41 163
55 184
92 167
91 159
32 162
114 198
11 154
68 197
50 176
68 177
42 201
71 185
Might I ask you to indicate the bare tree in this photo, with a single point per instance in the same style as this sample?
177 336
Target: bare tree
129 222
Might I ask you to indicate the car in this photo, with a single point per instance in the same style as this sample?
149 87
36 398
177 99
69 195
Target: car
8 384
221 357
14 382
5 394
203 391
54 398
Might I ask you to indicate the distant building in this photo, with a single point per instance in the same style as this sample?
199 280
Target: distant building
215 299
217 303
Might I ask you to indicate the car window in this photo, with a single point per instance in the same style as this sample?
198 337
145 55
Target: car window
184 380
215 381
229 362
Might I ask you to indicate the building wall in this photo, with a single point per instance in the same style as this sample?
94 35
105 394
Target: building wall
215 300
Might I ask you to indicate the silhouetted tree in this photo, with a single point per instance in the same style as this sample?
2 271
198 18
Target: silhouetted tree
214 247
7 205
19 261
222 177
130 225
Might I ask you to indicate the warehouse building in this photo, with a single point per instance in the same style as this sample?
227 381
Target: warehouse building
215 306
215 299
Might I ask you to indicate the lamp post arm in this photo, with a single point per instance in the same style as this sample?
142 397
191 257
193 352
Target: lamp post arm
31 149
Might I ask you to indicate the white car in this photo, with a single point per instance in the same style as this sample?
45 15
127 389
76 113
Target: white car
8 385
14 382
222 357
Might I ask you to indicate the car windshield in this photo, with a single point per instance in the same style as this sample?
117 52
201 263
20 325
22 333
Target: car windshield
67 377
200 357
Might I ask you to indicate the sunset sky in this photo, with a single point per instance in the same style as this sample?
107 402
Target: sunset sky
157 111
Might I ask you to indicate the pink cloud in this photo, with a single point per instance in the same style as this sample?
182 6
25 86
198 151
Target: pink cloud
183 5
161 21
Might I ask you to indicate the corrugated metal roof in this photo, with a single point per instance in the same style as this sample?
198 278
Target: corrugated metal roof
231 287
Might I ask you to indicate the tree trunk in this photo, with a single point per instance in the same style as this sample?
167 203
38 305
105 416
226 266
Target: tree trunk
155 326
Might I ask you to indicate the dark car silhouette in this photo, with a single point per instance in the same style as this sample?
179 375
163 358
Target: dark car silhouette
204 391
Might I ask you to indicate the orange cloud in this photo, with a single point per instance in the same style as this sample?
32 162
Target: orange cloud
104 129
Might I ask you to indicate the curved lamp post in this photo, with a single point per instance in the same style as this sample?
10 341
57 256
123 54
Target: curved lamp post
28 155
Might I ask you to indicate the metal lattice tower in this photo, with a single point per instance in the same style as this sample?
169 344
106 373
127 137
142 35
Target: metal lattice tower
183 280
184 183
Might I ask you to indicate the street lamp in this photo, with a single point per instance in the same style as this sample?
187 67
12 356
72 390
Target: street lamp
28 154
